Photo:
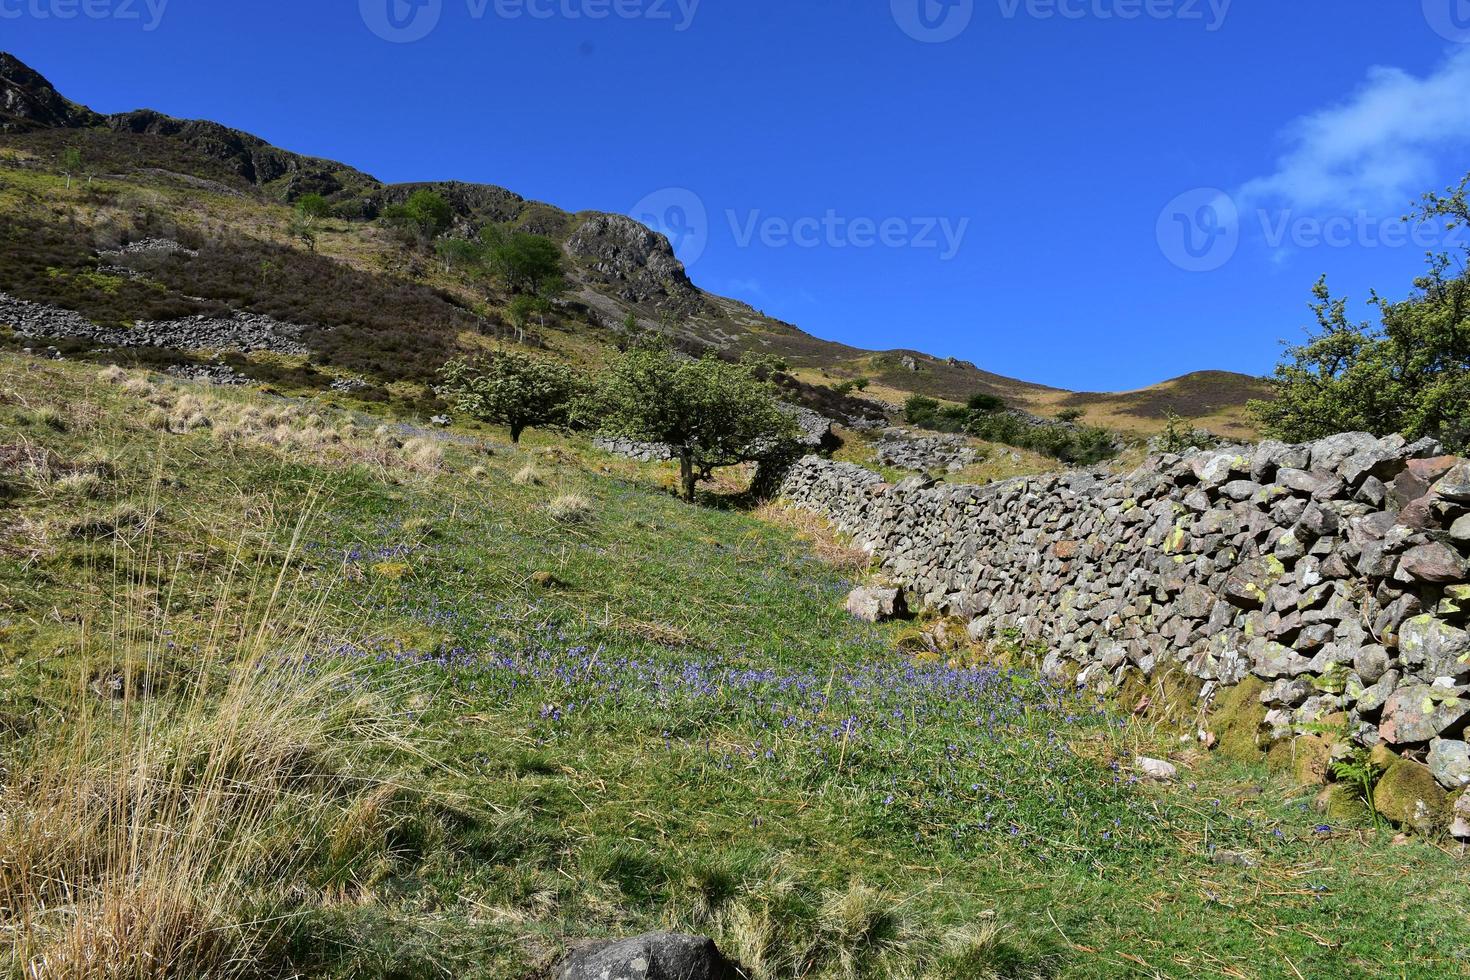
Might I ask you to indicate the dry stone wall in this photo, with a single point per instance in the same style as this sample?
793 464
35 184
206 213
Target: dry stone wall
1334 572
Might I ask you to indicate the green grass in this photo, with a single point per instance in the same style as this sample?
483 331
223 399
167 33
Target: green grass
654 716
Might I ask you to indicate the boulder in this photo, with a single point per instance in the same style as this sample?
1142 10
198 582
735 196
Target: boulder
1318 486
1455 484
1329 454
656 956
1449 760
1433 648
1460 814
1156 768
1419 712
1410 797
1433 562
876 604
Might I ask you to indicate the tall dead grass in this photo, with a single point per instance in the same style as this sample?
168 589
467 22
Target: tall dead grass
151 832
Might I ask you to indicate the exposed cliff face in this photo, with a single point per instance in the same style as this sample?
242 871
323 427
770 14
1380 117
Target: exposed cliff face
636 263
1335 572
28 101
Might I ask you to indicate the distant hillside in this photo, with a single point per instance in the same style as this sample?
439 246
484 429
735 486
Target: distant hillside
387 312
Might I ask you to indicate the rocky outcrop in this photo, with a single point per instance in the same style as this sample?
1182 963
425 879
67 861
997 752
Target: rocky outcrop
635 261
1331 573
28 101
242 332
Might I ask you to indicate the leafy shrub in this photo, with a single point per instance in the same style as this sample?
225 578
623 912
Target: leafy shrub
1410 374
513 389
712 412
1078 446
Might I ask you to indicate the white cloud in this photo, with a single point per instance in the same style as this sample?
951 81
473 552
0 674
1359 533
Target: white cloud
1379 149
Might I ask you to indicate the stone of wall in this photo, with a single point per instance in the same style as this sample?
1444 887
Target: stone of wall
1335 572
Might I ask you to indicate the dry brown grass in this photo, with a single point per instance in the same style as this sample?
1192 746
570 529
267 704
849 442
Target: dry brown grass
828 544
134 830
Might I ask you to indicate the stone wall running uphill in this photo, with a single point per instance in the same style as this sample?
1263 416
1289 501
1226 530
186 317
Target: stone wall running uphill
1334 573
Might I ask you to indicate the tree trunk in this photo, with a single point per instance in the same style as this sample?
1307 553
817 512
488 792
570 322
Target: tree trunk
686 474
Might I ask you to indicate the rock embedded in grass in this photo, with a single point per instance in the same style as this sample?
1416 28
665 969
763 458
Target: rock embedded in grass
1156 768
874 604
655 956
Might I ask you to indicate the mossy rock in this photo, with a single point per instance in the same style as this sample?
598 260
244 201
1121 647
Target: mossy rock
1409 796
1173 694
1381 756
1236 723
1341 803
1308 758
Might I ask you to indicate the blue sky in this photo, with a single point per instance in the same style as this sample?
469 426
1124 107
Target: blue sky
1094 194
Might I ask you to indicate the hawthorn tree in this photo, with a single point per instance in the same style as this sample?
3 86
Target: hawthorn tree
710 411
514 389
1410 373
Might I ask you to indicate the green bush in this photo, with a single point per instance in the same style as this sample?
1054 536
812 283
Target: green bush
712 412
1409 374
1080 446
513 389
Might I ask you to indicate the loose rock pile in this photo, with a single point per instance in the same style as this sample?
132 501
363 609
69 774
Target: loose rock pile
1332 578
151 246
242 332
215 374
925 454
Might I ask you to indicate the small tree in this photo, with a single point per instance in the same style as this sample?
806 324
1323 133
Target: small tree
71 163
424 216
526 263
522 308
310 211
512 389
711 412
1408 374
457 253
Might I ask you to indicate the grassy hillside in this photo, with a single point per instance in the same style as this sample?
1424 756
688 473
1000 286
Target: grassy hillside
384 309
445 705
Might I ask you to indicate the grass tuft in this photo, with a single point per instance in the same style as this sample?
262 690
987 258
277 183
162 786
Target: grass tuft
570 508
